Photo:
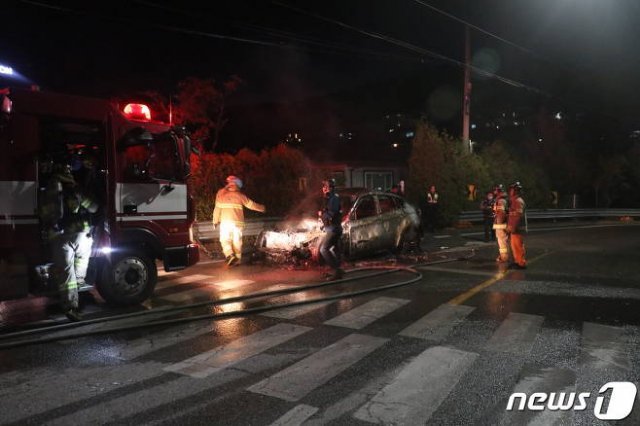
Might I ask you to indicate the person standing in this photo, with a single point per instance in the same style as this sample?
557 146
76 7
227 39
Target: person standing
432 209
515 225
66 215
486 206
500 223
331 216
228 212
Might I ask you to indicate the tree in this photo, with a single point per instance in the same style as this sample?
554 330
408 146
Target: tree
201 107
271 176
437 158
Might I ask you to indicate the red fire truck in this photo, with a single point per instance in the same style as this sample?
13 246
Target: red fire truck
141 166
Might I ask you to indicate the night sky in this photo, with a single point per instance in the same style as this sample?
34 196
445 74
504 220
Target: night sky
570 52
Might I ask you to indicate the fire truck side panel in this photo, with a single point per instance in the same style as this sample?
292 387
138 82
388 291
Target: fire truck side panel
19 229
154 209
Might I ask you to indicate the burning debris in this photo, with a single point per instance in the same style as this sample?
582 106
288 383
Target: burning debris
296 243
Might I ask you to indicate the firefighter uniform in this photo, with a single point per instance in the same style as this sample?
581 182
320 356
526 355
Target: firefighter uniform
228 212
500 209
65 214
515 225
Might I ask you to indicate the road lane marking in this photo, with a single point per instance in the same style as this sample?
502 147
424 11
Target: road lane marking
364 315
119 409
232 284
554 381
222 357
166 338
182 280
437 324
516 334
455 271
460 299
298 380
295 311
419 389
22 388
604 348
296 416
203 292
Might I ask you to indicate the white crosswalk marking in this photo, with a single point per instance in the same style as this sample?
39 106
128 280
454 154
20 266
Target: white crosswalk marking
44 386
182 280
437 325
516 334
414 395
295 311
232 284
222 357
296 381
556 382
163 339
604 347
150 398
364 315
296 416
204 292
163 273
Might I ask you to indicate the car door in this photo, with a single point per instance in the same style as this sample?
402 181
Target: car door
389 219
364 227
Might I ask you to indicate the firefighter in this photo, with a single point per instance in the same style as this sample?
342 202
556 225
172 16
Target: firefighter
65 213
500 209
331 216
515 225
229 213
486 206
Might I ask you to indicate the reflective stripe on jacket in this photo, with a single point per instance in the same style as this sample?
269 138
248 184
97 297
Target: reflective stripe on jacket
500 211
516 213
229 206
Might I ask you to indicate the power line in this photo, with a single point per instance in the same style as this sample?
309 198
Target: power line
159 26
477 28
327 48
412 47
432 54
333 47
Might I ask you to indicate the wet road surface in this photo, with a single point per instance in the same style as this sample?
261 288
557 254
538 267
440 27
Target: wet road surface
450 349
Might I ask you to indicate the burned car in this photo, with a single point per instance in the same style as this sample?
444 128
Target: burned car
372 222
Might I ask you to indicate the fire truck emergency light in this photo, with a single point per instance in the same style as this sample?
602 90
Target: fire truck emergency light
6 70
137 112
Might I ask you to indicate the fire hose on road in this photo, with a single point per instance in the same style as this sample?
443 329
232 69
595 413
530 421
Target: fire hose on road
24 338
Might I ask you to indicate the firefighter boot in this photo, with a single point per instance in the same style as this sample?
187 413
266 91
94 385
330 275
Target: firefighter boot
232 260
73 314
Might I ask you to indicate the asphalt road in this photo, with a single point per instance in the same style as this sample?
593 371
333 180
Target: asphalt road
449 349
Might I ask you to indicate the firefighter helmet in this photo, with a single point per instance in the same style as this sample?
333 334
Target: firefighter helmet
62 172
234 180
499 188
516 185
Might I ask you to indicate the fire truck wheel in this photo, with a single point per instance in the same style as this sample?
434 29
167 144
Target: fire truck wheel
129 279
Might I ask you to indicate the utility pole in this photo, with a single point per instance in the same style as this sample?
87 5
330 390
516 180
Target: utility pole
466 96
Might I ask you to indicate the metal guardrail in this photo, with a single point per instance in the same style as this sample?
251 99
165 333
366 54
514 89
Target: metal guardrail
541 214
204 230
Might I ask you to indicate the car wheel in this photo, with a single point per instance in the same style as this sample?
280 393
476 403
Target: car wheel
409 240
129 279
